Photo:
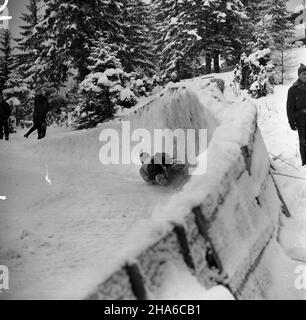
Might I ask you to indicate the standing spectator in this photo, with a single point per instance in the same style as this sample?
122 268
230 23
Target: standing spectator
41 108
5 112
296 109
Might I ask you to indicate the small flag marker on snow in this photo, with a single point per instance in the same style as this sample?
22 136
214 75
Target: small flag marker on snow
47 176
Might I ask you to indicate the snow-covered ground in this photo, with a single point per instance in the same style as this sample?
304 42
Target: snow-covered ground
65 216
283 145
179 283
62 224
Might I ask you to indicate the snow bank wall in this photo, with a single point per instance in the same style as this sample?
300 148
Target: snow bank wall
221 226
175 108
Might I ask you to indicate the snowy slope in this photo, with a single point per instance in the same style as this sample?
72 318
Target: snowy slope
66 217
283 142
169 111
52 235
66 214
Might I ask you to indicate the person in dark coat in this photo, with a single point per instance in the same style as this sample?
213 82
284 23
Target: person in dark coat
41 108
155 168
296 109
5 112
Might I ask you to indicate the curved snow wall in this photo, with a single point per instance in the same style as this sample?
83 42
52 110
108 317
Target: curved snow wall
175 108
220 227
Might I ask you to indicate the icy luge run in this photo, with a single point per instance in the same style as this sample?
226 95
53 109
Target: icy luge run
222 226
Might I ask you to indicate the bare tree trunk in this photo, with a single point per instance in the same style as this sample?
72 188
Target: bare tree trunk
216 62
17 117
208 63
109 107
282 66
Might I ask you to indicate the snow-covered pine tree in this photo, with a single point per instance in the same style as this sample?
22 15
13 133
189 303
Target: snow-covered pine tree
70 28
235 31
190 29
226 31
255 42
254 68
105 88
17 93
138 55
177 37
12 85
28 45
159 13
273 26
199 12
254 9
278 23
281 31
254 71
262 39
265 66
255 34
6 58
62 43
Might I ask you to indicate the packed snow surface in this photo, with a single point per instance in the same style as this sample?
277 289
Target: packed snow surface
283 146
65 219
66 215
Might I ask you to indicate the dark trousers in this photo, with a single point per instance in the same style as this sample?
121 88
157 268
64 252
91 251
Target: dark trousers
302 138
4 126
40 125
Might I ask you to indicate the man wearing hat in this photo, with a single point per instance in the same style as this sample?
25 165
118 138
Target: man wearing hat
41 108
296 109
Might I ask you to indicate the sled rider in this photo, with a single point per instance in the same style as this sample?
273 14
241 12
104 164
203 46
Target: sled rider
155 168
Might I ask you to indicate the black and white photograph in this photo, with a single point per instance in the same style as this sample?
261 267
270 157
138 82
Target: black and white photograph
153 150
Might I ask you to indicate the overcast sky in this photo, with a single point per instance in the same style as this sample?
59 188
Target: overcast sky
16 7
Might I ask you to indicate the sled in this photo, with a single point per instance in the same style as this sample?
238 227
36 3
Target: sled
177 175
